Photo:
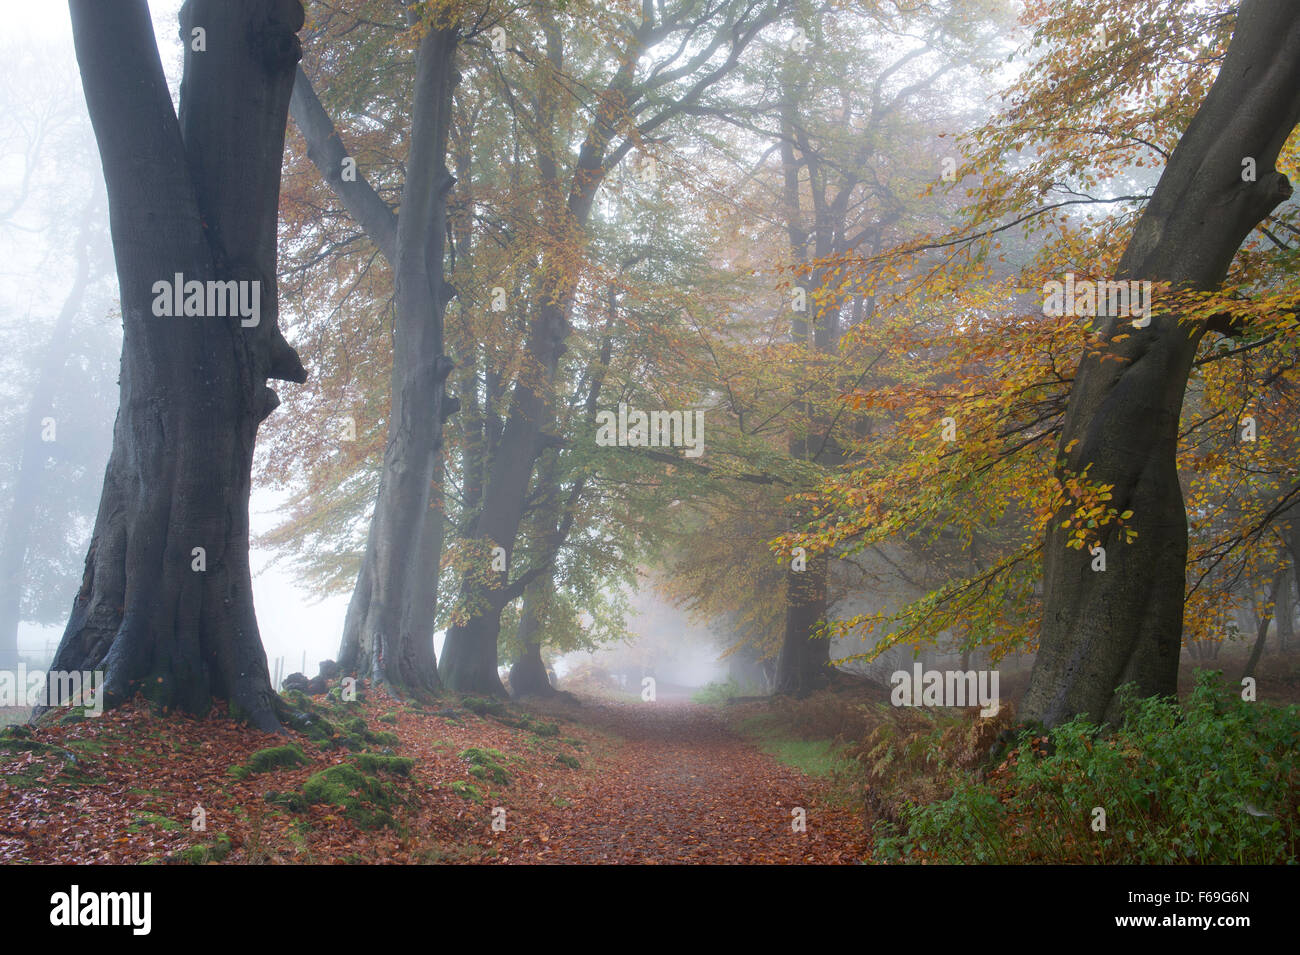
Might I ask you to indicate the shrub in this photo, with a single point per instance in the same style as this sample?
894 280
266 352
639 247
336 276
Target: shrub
1213 781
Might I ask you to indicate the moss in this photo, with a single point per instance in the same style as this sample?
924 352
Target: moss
564 759
357 735
335 695
18 739
388 718
294 802
485 764
393 765
526 722
215 851
78 775
88 746
341 785
364 799
315 727
467 791
484 707
298 700
22 780
153 819
267 760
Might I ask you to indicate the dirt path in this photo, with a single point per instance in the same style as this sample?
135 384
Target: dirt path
663 782
677 786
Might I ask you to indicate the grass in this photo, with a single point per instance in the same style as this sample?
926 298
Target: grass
813 757
725 690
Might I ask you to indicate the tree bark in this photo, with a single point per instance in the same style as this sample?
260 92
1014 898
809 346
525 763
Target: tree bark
33 455
803 664
1124 624
388 632
197 195
469 654
528 674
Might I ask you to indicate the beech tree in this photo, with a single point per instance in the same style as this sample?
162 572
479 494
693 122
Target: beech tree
166 605
836 200
388 632
845 127
1101 630
673 55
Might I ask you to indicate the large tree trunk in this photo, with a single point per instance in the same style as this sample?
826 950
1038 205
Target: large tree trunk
528 674
198 196
388 632
34 454
1124 624
803 664
469 654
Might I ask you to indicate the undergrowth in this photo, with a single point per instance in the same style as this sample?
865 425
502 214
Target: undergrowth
1209 781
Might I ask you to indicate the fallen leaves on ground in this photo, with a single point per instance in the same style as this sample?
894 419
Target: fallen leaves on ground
595 782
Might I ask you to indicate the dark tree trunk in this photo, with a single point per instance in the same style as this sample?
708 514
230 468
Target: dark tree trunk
1290 528
1257 651
33 455
388 632
1124 624
1284 603
469 654
803 664
528 674
198 196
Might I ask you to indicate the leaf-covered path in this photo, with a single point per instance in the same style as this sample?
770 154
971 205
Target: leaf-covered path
675 785
459 780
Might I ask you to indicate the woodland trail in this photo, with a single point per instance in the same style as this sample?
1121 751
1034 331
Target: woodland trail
588 782
676 785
